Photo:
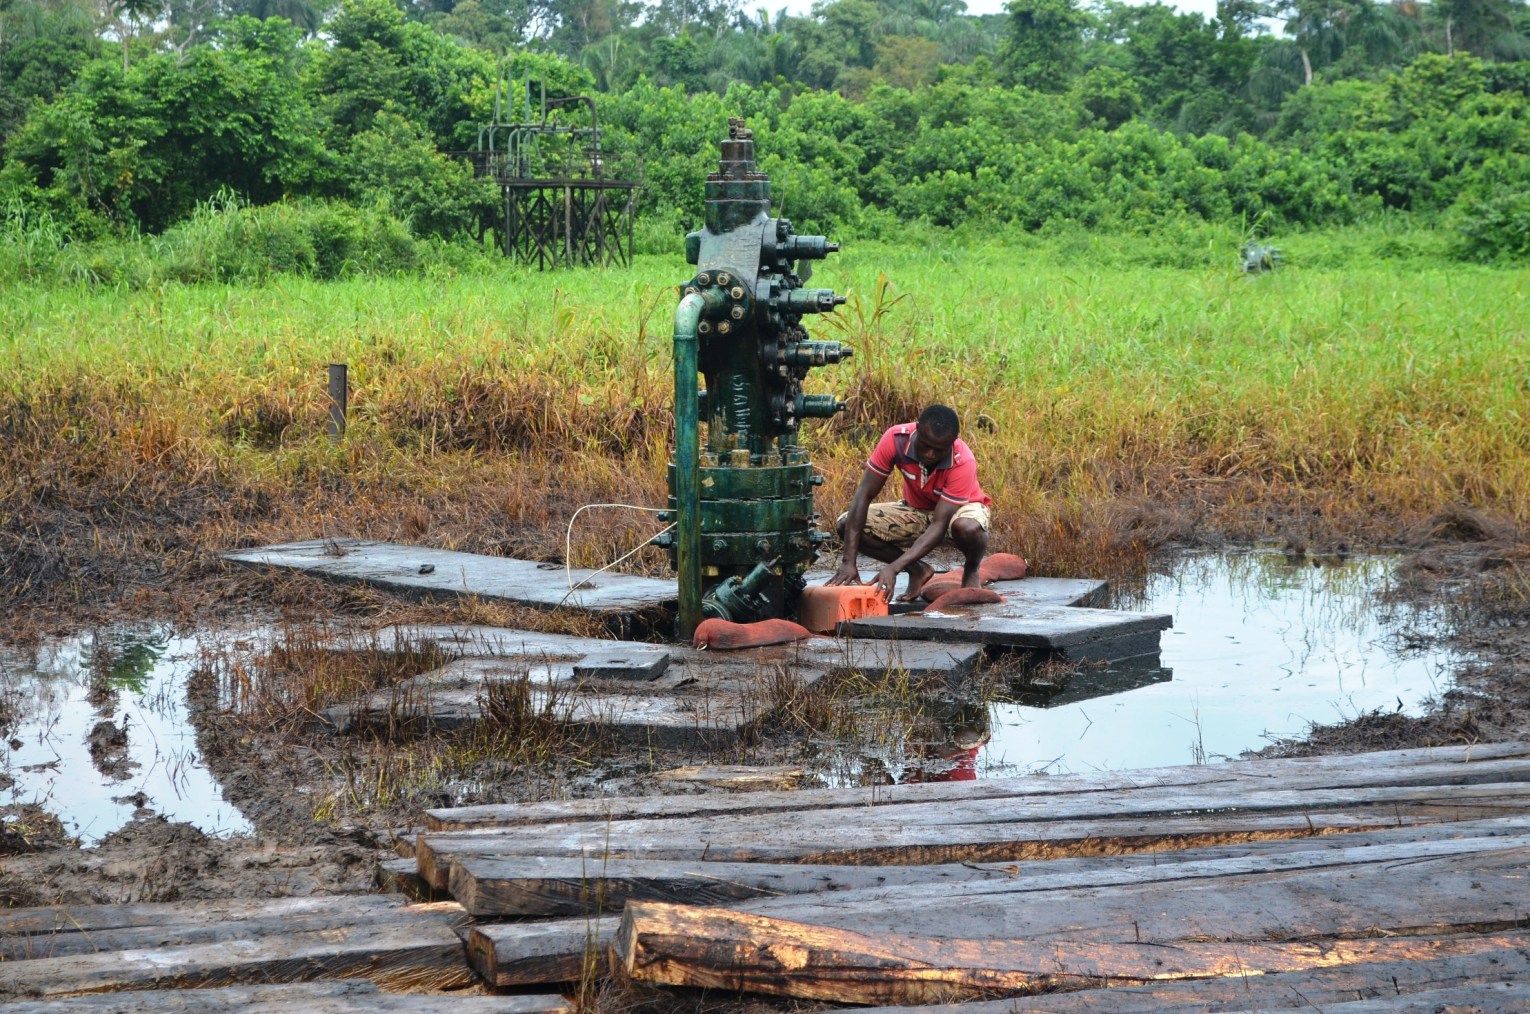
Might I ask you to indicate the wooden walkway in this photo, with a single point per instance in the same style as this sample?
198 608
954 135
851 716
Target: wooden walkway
1392 882
1272 884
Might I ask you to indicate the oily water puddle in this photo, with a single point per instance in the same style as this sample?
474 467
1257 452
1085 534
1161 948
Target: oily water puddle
1262 648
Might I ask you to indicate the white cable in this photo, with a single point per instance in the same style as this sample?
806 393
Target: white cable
568 542
613 563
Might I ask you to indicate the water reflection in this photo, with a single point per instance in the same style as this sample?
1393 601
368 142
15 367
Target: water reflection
1264 645
98 732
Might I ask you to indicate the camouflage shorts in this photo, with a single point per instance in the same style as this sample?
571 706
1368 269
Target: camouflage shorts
900 524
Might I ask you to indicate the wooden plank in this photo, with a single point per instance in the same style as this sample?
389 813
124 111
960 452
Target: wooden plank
1486 998
543 887
1487 762
535 886
1392 889
682 945
921 845
420 570
540 953
1322 891
152 937
993 829
296 995
1325 989
84 918
401 954
735 777
331 997
1132 906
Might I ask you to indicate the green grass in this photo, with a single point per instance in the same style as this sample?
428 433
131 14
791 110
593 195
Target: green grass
1365 379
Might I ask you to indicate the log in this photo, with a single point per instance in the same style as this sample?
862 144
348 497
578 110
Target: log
1488 762
713 948
407 952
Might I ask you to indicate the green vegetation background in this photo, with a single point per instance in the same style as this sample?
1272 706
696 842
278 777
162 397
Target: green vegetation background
1041 210
148 140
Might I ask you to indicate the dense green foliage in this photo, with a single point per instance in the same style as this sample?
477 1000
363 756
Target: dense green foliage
872 115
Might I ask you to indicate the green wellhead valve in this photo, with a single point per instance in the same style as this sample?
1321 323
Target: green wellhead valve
743 502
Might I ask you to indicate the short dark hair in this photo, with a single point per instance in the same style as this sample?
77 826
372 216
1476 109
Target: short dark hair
940 421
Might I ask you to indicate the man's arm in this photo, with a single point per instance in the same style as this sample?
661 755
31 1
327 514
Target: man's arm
855 524
940 520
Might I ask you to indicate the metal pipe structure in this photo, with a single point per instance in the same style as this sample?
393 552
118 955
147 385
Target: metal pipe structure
687 452
743 501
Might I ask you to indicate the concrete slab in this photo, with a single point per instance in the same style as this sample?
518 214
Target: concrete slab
418 570
1041 591
631 662
1074 633
701 698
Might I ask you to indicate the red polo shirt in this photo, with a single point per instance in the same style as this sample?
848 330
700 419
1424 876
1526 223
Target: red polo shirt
954 479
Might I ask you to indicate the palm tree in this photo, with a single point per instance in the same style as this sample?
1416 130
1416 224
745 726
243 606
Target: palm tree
131 16
1483 28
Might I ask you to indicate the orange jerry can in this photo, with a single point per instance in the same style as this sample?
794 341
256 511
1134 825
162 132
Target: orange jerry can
822 609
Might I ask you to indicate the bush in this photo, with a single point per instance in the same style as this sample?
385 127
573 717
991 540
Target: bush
1493 229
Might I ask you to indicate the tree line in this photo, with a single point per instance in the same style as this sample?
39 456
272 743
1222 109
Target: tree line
124 117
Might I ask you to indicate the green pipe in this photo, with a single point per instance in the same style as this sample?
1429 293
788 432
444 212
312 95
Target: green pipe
687 452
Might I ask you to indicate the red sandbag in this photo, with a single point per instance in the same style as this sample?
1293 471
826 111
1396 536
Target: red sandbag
938 585
1003 567
725 635
965 597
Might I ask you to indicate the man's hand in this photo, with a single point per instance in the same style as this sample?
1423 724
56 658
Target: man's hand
886 580
847 573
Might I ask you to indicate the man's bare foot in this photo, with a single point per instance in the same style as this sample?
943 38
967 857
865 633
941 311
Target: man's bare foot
918 574
972 577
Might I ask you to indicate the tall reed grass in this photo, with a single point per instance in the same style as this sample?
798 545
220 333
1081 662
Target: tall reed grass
1095 394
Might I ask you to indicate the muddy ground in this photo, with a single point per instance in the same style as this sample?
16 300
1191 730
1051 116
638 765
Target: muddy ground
277 768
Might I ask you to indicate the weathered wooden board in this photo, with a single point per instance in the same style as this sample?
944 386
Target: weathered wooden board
410 950
735 777
1487 762
1412 889
539 953
995 829
52 919
337 997
341 917
1315 891
718 948
1418 987
418 570
539 887
542 887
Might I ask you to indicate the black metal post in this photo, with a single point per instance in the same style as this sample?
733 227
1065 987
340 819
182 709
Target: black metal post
338 396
